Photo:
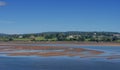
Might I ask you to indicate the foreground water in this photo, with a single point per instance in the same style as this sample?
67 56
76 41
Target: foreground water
64 62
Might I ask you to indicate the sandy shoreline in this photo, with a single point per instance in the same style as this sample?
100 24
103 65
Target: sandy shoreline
48 51
64 42
16 49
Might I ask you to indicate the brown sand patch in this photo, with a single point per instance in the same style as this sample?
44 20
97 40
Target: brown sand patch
13 43
113 57
67 51
37 47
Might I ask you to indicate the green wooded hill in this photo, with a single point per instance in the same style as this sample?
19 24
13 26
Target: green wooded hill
64 36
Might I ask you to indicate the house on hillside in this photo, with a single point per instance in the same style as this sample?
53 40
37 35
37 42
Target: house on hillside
20 37
73 36
117 35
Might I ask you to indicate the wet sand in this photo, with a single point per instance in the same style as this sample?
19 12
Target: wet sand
31 50
63 42
56 58
49 51
113 57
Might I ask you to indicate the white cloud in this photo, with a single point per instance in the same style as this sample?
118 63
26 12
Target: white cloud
2 3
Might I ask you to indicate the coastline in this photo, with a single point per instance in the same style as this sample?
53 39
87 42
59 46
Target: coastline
23 49
62 42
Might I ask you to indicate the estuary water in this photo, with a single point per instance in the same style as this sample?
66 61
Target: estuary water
99 62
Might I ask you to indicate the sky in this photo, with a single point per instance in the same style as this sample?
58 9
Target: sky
34 16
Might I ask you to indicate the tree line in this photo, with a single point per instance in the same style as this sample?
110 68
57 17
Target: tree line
64 36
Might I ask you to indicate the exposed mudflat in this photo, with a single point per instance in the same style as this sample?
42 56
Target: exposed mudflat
59 57
48 51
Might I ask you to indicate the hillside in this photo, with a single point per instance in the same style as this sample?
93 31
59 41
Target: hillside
63 36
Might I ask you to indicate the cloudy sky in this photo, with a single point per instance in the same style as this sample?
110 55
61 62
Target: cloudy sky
33 16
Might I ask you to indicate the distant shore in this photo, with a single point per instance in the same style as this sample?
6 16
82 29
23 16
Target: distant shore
63 42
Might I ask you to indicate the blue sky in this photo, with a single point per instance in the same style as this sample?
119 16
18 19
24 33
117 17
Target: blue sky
34 16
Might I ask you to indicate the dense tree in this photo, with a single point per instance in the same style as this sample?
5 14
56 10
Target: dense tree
66 36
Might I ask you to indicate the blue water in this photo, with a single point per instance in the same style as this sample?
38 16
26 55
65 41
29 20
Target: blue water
55 63
62 62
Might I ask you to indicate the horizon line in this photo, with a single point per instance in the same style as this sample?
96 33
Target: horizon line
56 32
